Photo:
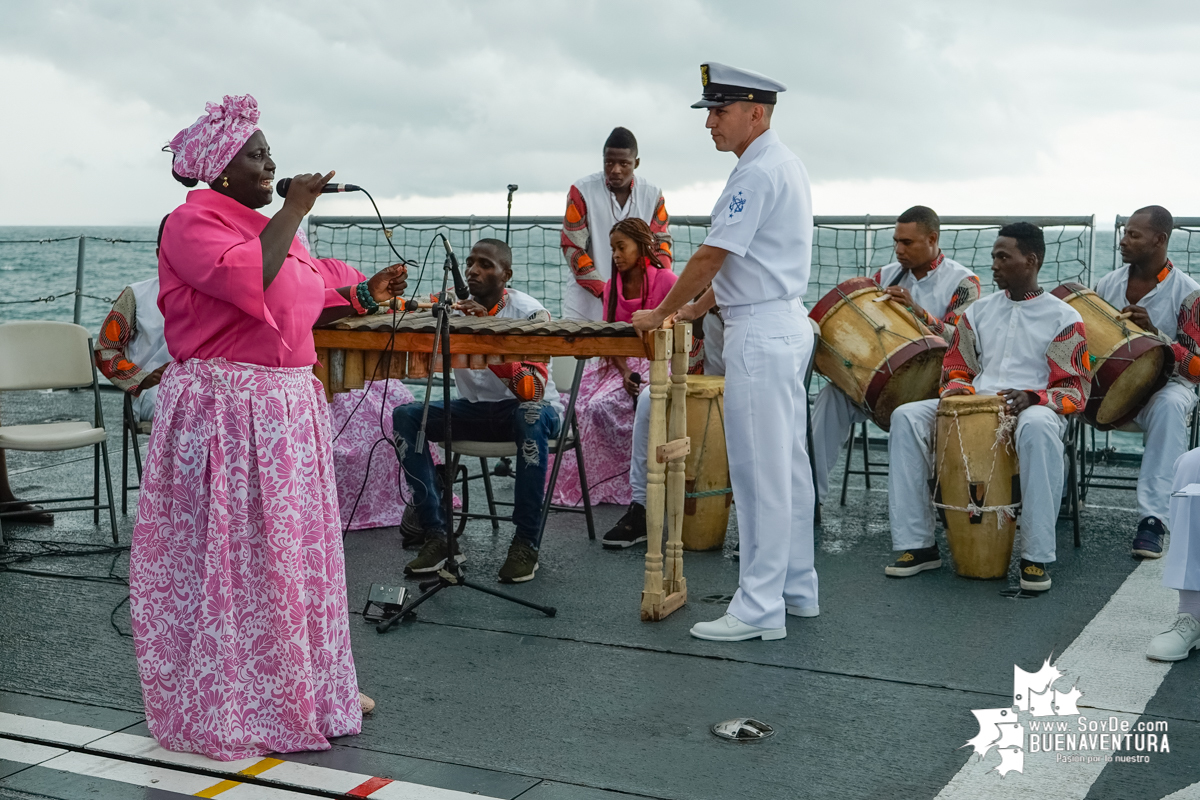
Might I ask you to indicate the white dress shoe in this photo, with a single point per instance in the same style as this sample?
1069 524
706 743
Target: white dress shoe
804 611
731 629
1176 643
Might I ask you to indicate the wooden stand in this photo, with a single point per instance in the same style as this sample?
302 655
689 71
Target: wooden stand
665 588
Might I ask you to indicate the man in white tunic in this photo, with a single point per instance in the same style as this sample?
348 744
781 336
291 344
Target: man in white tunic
1166 301
937 290
757 257
1022 343
594 205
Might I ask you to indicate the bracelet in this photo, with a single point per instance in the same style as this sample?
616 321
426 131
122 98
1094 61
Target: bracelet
354 302
365 298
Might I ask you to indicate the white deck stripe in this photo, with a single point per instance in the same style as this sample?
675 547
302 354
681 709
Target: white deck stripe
49 730
24 753
401 790
1108 661
1186 793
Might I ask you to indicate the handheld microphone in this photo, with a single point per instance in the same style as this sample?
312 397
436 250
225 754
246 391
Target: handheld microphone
329 188
460 286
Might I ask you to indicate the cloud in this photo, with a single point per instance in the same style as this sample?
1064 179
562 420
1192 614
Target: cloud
442 104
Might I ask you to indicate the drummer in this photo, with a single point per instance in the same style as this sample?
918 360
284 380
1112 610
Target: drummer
1165 301
1022 343
921 278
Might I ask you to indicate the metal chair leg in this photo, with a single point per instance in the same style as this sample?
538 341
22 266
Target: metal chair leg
583 484
487 490
866 456
125 458
112 508
96 486
849 458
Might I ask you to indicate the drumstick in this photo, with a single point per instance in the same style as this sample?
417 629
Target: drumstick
1124 316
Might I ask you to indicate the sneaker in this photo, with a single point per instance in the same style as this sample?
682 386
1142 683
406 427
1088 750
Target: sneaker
629 530
1148 542
911 562
1176 643
431 558
520 565
412 532
1034 577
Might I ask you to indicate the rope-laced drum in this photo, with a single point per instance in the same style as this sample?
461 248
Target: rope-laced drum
875 350
707 492
1129 363
978 482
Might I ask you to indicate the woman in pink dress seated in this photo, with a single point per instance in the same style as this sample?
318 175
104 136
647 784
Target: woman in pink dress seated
237 577
610 386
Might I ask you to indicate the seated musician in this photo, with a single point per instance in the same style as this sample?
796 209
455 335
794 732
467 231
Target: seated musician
505 402
922 278
609 389
1022 343
1166 301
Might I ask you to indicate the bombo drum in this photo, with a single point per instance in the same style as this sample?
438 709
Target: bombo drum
1129 363
978 482
875 352
707 492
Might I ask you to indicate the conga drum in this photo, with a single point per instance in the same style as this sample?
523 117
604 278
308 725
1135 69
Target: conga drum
1129 363
707 492
878 353
978 486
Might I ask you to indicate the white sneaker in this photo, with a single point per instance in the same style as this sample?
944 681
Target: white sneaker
804 611
1176 643
731 629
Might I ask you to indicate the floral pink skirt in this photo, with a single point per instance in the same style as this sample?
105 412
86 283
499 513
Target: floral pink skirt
357 429
605 414
237 579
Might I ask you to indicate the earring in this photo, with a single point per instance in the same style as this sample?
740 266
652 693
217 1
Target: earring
225 181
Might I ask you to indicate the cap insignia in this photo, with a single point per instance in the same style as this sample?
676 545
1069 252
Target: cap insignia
704 74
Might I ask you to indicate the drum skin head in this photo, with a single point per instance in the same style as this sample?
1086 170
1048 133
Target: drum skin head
916 378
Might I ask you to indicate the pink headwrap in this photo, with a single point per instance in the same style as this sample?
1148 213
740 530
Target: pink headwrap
203 149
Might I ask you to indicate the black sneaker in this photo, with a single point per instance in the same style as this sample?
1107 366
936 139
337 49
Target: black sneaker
911 562
412 532
520 565
1034 577
431 558
1148 542
629 530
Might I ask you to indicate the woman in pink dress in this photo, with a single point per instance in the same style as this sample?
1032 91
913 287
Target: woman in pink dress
237 577
610 386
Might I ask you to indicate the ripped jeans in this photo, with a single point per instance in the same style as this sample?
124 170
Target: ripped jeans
529 425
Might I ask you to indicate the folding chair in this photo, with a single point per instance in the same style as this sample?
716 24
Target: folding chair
131 427
55 355
881 466
561 367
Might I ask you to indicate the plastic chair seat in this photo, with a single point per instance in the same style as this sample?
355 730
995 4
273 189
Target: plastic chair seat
468 447
50 436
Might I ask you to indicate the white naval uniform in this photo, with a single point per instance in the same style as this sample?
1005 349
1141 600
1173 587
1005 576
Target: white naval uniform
602 214
714 364
1181 567
763 220
833 412
1163 420
1013 338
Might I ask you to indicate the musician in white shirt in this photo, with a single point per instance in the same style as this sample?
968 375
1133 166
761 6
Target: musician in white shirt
937 290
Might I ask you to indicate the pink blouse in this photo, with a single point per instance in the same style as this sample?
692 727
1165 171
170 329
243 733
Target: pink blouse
211 293
658 284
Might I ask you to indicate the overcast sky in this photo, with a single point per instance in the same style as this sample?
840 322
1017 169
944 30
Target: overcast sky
970 107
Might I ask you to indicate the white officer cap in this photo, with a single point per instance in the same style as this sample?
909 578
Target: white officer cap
723 85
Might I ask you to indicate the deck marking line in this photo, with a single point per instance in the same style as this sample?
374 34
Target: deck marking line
25 753
216 789
261 766
49 730
1108 661
126 772
365 788
1186 793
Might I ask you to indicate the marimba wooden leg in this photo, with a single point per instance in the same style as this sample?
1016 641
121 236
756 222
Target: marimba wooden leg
675 585
652 590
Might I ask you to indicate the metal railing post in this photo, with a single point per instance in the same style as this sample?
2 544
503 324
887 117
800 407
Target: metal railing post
1092 254
79 282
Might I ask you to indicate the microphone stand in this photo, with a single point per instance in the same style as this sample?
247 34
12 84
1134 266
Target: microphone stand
512 187
453 573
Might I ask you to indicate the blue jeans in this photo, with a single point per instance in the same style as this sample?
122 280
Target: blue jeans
529 425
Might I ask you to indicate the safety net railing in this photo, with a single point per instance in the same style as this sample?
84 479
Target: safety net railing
1183 249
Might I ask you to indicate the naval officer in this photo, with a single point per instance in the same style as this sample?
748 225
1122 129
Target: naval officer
757 256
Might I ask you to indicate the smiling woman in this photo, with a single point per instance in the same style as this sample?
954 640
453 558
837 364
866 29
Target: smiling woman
237 577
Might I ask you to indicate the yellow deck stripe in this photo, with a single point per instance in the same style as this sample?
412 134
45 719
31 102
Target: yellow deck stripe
261 766
213 791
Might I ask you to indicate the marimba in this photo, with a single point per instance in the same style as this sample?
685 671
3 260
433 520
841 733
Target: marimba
353 351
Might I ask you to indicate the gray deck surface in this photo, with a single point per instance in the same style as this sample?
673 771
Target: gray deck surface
871 699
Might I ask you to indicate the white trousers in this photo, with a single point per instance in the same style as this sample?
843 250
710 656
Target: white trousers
833 418
1163 422
1181 569
143 404
767 349
911 467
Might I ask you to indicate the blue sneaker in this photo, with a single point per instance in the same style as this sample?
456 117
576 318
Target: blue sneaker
1148 542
